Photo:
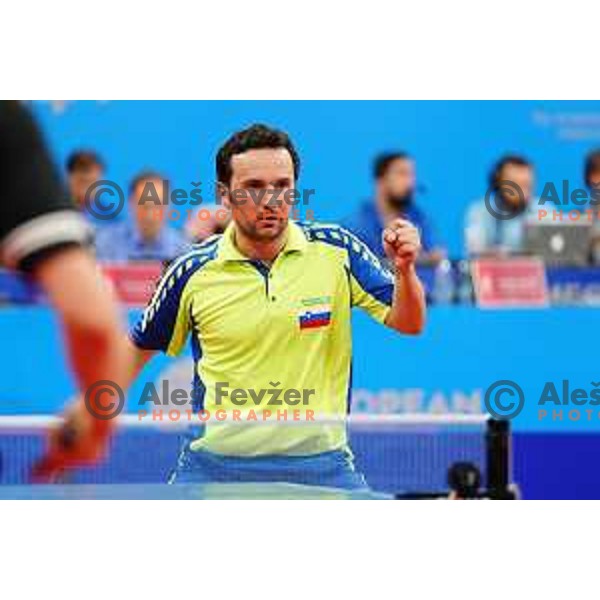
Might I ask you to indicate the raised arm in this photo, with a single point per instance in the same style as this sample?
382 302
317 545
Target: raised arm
395 299
402 245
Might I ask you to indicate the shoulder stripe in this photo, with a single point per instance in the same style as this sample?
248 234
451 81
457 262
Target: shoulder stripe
192 261
336 235
363 265
183 264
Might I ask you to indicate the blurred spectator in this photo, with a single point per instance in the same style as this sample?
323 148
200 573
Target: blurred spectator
485 233
84 167
146 236
395 185
205 221
592 181
592 170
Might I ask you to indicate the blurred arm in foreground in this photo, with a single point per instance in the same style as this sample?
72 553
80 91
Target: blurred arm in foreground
43 236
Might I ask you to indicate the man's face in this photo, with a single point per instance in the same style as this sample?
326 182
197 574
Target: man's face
594 180
81 180
520 175
398 182
149 215
256 196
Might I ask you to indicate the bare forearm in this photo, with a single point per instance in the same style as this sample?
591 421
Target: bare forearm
95 340
98 349
407 314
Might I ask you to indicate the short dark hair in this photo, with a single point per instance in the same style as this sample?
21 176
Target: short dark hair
143 176
592 165
255 137
83 160
384 161
507 159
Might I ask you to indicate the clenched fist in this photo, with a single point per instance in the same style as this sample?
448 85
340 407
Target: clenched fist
402 244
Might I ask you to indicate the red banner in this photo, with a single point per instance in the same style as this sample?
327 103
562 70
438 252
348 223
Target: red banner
510 282
134 283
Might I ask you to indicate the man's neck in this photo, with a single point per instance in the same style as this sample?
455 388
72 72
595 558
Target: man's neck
265 251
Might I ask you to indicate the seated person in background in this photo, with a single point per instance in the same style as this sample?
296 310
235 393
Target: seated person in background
592 181
84 168
145 236
395 183
485 233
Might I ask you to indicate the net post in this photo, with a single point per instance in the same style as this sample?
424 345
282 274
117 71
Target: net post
498 459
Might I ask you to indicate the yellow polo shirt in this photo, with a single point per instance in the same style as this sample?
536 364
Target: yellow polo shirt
255 329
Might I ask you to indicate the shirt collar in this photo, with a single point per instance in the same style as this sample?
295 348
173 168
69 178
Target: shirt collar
296 242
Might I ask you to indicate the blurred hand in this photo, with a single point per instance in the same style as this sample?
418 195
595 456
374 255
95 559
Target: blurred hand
402 244
79 440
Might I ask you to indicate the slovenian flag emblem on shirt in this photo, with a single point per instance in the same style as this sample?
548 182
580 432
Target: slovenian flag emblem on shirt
314 317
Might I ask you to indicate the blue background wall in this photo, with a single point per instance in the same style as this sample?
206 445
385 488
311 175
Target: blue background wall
461 353
454 143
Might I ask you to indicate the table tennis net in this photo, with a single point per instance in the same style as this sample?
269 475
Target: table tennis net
399 454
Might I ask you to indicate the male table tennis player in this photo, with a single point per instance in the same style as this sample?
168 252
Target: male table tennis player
42 235
267 305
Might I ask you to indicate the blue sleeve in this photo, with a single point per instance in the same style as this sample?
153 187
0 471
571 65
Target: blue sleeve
353 225
372 284
165 324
